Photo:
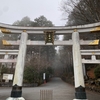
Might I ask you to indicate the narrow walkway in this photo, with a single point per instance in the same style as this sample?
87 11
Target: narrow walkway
61 91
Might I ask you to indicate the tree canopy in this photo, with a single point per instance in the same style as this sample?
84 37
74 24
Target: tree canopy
81 11
38 22
42 21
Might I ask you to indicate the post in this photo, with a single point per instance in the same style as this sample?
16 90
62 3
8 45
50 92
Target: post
18 77
80 93
5 57
84 71
44 78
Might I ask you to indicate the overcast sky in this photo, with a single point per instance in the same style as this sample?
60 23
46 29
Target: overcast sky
13 10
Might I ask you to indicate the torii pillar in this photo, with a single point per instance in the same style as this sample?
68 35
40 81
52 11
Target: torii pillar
16 93
80 93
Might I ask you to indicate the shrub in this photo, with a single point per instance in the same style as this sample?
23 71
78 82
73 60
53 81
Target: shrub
97 71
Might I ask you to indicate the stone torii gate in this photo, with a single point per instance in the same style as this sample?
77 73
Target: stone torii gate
80 94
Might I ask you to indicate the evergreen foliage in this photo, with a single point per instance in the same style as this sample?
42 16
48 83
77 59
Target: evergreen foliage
97 71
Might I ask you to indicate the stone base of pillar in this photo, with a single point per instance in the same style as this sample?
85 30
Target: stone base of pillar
11 98
80 93
16 91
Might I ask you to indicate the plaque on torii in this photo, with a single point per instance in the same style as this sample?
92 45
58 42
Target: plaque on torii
49 37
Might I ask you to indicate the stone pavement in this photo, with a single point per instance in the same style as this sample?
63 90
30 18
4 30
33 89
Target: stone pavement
61 91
